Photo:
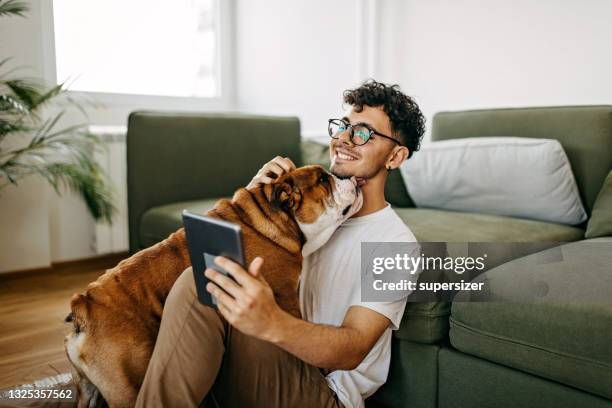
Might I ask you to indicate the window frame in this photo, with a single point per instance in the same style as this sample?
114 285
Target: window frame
225 56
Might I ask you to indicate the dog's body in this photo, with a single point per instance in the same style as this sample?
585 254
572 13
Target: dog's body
117 319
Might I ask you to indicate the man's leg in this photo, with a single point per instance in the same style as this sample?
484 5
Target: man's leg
188 351
256 373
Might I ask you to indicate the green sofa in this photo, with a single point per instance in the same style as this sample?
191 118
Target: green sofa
444 355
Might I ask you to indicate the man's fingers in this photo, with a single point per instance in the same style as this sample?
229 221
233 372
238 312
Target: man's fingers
273 168
255 267
266 180
262 180
285 163
227 314
226 283
221 296
237 271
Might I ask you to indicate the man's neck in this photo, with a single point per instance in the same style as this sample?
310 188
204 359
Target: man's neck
373 195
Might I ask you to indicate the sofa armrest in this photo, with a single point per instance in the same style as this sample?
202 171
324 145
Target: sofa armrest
186 156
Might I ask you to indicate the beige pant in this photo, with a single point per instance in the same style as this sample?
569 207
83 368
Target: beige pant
199 354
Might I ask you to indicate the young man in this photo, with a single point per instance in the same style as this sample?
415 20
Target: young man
252 353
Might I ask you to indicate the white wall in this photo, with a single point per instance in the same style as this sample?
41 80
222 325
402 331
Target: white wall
296 58
24 211
497 53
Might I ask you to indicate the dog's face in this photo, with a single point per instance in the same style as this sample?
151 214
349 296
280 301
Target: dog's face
318 200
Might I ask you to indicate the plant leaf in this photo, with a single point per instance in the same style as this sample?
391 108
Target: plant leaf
13 7
28 92
53 92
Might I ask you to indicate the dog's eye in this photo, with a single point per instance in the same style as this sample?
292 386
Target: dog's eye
323 178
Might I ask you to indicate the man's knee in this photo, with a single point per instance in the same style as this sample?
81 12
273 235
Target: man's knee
184 293
185 283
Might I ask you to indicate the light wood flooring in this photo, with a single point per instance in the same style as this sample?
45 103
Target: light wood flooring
33 306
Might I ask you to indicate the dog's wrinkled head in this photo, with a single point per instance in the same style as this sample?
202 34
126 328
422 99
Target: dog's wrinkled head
318 200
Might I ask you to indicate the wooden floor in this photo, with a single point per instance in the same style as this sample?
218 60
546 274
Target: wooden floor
33 306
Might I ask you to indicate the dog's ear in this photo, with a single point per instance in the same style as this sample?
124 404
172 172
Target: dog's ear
282 195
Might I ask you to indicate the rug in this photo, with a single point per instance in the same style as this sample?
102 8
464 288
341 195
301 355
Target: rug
57 391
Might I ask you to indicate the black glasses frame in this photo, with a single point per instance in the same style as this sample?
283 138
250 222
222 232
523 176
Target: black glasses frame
352 132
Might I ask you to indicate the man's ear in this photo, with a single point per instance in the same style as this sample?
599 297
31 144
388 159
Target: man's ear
397 157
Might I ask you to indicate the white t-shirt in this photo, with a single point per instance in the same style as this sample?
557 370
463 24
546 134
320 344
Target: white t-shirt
331 282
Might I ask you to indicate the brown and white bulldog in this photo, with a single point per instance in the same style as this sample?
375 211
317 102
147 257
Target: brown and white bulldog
117 318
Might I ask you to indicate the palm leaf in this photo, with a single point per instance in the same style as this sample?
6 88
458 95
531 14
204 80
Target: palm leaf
9 105
7 127
43 98
87 179
83 176
28 92
13 7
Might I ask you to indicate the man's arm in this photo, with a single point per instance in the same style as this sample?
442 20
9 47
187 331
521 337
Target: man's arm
331 347
251 308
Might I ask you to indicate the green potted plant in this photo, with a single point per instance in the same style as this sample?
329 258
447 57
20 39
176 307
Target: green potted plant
63 156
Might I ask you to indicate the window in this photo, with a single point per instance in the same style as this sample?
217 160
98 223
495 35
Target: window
141 47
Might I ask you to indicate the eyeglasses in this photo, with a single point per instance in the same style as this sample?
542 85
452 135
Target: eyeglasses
359 133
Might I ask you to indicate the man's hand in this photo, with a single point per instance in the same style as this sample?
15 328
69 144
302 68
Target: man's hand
272 170
250 307
249 303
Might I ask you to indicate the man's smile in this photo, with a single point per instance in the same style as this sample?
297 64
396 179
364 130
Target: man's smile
344 155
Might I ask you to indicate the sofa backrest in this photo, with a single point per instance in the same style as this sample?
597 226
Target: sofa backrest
174 156
585 132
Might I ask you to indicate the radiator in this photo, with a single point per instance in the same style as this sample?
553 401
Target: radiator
113 238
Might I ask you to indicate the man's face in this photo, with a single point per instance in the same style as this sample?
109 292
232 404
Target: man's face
367 160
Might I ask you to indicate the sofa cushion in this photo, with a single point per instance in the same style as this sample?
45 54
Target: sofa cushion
428 322
584 131
314 152
600 224
556 320
429 225
512 176
159 222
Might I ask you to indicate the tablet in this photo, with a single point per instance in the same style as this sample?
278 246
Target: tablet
207 238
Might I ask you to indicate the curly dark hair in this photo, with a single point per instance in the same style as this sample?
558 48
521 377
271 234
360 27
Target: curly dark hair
407 120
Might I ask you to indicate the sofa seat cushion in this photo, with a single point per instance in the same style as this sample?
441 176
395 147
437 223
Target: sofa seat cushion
555 319
159 222
431 225
428 322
